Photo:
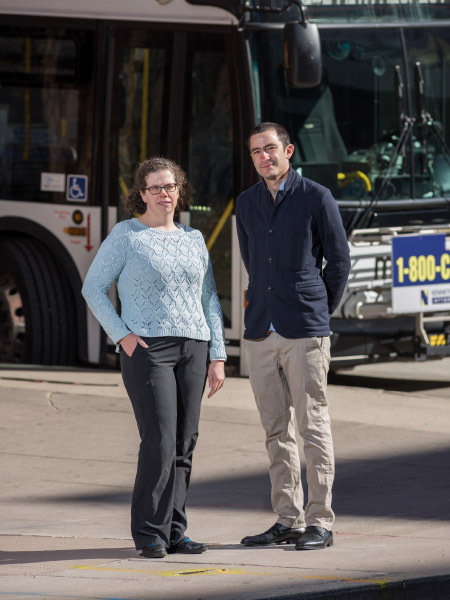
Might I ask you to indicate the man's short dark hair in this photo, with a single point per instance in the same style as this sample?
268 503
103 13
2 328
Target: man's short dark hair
281 132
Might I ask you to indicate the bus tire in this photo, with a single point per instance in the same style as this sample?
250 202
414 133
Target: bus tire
37 309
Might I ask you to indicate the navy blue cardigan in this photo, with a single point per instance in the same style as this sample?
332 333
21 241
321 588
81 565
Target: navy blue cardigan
283 244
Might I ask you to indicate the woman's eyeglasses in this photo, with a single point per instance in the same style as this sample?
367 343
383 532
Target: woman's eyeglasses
157 189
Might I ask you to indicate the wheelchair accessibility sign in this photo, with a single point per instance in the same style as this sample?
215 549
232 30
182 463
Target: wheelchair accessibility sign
77 188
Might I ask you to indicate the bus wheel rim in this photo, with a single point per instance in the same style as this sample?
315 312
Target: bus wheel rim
12 321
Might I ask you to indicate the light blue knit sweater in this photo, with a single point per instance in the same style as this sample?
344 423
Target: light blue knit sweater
165 283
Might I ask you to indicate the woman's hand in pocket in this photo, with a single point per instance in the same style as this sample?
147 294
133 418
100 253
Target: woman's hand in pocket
129 343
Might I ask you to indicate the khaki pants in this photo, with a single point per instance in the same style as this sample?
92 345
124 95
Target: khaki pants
288 378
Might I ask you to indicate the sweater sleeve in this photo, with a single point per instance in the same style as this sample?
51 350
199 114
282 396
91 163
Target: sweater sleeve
335 249
213 311
104 270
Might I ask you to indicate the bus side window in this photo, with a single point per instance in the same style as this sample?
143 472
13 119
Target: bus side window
142 89
45 87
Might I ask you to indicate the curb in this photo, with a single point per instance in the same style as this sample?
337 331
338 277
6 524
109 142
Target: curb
425 588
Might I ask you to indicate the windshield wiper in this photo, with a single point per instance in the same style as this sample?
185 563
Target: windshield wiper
427 126
406 125
420 84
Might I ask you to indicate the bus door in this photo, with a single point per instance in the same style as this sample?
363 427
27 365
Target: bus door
209 157
172 90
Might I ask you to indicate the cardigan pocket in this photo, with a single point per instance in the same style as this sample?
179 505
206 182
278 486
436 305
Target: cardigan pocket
312 297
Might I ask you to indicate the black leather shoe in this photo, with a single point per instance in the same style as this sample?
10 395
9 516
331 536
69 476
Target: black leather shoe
187 546
277 534
315 538
154 551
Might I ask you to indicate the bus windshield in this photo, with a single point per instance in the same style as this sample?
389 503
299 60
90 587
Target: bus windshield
377 125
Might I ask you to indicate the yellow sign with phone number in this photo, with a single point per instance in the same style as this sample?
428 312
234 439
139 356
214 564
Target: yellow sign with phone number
420 274
423 268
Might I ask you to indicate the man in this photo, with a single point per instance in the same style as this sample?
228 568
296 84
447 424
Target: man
287 225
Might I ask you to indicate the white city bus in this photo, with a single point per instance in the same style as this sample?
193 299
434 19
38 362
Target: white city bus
89 89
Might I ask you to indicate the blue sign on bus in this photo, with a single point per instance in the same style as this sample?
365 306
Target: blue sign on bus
77 188
420 260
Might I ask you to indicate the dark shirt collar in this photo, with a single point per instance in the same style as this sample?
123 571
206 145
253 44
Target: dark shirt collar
292 177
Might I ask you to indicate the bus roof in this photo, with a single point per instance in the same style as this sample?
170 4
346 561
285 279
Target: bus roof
131 10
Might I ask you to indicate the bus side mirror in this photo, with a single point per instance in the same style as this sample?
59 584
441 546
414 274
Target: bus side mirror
302 54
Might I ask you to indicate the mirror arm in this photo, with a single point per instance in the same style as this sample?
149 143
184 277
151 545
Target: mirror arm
251 6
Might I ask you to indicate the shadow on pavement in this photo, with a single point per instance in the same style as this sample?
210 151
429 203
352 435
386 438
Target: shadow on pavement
410 486
82 554
38 556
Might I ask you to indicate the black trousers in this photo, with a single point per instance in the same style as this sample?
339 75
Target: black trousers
165 383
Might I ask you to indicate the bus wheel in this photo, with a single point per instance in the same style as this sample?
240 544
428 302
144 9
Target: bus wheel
12 322
37 311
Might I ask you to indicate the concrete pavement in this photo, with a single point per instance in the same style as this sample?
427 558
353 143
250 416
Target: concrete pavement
69 445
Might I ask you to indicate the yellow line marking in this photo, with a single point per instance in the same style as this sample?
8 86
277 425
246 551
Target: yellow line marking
224 571
220 224
166 573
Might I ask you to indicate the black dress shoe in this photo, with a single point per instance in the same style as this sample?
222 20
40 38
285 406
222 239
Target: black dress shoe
277 534
187 546
315 538
154 551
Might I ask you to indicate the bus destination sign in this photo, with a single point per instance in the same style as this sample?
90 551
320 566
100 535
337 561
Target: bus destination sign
420 274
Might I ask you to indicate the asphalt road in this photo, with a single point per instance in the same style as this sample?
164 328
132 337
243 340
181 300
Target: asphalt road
69 445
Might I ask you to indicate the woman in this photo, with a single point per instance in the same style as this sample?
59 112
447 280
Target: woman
170 315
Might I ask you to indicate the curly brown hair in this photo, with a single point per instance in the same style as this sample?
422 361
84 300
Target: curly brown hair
134 203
